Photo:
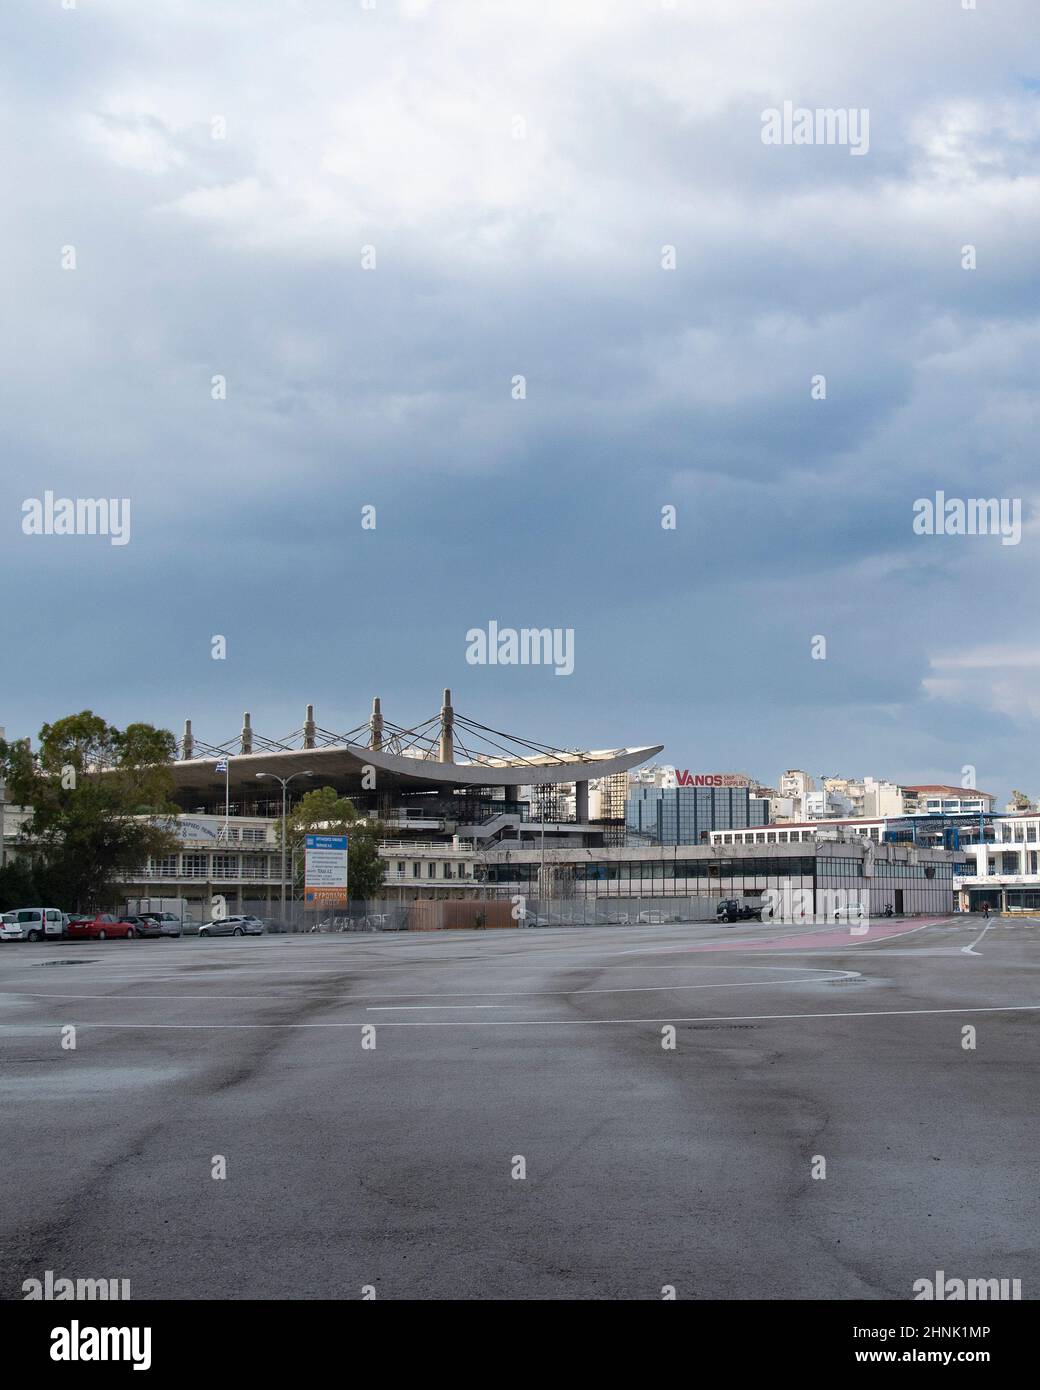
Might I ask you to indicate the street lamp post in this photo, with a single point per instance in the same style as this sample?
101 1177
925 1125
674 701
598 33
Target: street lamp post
284 784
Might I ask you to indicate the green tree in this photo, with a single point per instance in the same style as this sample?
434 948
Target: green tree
18 886
100 798
365 866
1020 801
324 812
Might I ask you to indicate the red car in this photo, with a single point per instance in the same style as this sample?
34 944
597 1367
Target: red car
98 928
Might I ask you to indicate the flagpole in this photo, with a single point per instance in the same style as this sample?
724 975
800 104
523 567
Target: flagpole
226 763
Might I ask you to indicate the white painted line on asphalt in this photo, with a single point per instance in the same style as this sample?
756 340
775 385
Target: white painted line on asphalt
412 1008
757 945
557 1022
476 993
970 950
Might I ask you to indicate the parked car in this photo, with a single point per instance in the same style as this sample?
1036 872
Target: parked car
142 924
535 919
168 924
732 910
233 926
32 924
102 927
855 912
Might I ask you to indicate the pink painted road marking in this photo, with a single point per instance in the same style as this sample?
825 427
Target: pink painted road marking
839 936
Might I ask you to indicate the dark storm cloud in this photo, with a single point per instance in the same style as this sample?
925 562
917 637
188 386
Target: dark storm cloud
540 257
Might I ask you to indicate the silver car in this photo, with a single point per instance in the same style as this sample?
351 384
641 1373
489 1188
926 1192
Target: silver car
233 926
168 924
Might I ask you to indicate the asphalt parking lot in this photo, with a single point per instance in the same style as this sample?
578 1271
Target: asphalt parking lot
394 1166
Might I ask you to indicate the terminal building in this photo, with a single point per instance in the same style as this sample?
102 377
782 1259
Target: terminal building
446 792
470 812
463 814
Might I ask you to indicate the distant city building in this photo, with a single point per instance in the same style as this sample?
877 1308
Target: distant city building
796 784
824 805
849 789
882 798
935 799
686 815
607 797
1003 874
653 776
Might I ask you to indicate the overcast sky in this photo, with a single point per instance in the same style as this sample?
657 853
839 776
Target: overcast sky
518 168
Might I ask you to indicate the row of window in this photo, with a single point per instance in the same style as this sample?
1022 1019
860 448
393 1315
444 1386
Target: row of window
1006 864
791 837
883 868
213 866
1016 834
659 870
829 865
700 870
449 869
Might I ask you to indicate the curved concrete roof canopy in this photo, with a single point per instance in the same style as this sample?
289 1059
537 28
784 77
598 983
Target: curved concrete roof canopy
350 760
426 755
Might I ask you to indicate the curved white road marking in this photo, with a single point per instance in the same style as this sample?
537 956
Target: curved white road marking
970 950
559 1022
484 993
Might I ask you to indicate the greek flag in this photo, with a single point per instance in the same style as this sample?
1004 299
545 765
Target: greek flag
222 765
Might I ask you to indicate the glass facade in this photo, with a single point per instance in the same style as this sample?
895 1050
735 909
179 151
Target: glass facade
698 874
684 815
920 887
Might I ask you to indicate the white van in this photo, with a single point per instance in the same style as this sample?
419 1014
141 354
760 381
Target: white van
32 924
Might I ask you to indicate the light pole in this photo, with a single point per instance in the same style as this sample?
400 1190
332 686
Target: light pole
285 783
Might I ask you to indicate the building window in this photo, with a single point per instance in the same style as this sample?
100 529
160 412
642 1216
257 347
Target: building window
225 865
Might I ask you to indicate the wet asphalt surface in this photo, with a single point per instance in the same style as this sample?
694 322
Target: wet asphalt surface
396 1166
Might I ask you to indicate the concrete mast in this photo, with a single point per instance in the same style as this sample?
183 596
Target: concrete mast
375 725
447 730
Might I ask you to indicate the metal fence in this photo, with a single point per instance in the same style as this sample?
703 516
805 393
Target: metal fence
446 914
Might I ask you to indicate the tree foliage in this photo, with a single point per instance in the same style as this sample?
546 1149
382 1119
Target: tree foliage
324 812
100 799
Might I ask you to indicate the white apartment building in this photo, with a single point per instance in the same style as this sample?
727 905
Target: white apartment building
881 798
824 805
796 784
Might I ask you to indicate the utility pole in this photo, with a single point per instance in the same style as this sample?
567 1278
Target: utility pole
284 784
542 885
3 809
